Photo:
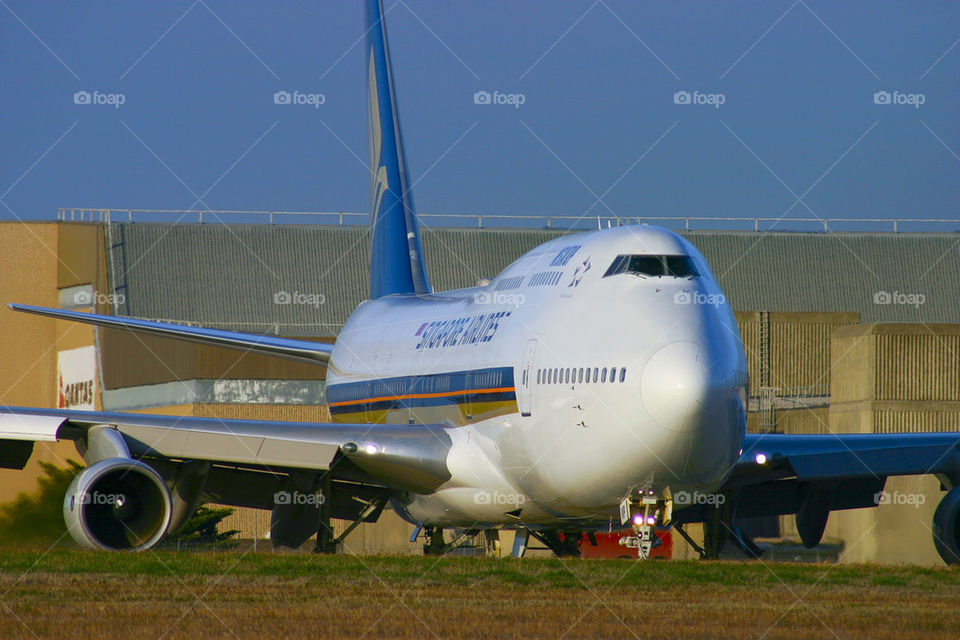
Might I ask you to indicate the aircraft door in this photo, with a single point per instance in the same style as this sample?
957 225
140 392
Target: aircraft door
525 390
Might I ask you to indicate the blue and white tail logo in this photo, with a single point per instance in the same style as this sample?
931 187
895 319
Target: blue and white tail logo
396 257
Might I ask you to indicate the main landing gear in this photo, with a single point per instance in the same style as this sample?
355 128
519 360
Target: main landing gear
329 543
720 526
564 544
477 542
481 542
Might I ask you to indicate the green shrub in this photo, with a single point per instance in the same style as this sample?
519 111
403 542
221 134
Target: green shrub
37 517
202 529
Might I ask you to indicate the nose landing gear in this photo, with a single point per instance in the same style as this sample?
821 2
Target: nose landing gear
644 512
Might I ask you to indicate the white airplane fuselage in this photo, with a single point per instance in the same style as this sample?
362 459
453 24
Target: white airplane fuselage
564 389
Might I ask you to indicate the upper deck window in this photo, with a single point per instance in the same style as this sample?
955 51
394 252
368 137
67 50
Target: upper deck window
678 266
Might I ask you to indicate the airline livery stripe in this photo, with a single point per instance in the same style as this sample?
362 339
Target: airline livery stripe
409 396
464 387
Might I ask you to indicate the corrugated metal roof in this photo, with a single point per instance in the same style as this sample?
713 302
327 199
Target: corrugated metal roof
839 272
234 277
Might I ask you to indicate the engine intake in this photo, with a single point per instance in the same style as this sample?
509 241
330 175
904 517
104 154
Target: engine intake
117 504
946 527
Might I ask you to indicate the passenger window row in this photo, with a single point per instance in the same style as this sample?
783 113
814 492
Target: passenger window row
512 282
574 375
545 279
564 255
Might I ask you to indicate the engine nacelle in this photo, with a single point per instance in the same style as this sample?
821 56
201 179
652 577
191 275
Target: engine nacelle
946 527
117 504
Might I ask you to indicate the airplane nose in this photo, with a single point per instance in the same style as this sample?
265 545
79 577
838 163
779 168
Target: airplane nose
676 385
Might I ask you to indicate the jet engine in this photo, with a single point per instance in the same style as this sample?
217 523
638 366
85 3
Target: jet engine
946 527
117 504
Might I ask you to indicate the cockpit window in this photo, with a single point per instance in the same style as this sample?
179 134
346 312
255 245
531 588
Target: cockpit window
647 265
654 265
681 266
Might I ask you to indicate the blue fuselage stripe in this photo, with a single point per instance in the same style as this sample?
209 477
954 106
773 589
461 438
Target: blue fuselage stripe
493 384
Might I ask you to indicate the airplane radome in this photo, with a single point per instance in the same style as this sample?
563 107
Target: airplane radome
598 382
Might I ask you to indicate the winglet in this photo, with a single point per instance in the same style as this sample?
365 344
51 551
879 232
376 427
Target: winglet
396 257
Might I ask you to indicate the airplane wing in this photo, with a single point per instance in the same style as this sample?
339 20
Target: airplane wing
166 465
837 457
407 457
304 350
811 475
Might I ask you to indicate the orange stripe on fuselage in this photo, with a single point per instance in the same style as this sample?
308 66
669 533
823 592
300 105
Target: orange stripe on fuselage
421 395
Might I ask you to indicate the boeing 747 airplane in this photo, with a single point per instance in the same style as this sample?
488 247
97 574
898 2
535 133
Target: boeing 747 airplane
617 386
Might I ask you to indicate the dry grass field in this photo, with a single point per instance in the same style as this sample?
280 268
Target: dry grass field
77 594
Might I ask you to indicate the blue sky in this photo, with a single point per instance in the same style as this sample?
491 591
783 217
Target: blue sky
798 133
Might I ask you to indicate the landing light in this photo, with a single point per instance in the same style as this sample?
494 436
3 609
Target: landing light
638 519
761 458
371 449
651 521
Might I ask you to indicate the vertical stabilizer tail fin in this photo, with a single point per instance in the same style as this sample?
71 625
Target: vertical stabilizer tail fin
396 257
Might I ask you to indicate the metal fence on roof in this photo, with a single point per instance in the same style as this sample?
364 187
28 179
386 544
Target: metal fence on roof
513 221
